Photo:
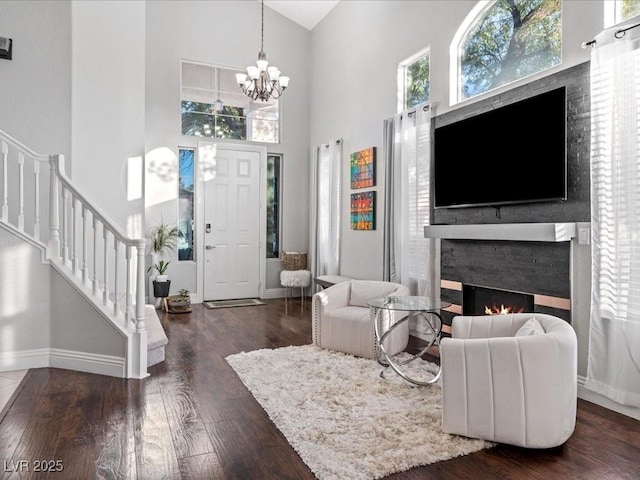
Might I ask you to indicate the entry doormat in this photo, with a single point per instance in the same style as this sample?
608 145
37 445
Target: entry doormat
243 302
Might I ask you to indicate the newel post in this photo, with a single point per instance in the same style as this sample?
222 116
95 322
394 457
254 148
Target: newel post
140 285
138 360
54 219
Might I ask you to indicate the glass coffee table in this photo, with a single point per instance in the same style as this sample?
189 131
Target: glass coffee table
428 321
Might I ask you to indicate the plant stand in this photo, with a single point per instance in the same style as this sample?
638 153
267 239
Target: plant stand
160 291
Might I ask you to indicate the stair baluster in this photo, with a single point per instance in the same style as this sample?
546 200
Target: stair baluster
74 236
105 273
54 220
85 225
21 191
94 278
36 207
116 277
65 225
5 190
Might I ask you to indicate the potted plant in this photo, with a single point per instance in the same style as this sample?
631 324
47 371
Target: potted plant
161 268
162 240
180 303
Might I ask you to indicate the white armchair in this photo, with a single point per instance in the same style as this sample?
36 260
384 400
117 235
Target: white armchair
342 320
520 390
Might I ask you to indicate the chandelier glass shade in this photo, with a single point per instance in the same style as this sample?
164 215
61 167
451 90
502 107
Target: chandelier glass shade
262 82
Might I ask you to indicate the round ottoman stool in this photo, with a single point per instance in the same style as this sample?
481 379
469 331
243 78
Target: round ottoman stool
295 279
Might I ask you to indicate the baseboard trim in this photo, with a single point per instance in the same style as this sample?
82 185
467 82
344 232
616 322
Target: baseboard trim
276 293
88 362
66 359
590 396
24 359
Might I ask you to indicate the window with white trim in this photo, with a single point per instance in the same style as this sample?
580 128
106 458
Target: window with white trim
274 189
186 191
507 40
413 80
213 106
626 9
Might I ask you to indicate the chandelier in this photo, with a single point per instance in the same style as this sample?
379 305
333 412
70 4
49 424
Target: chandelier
262 82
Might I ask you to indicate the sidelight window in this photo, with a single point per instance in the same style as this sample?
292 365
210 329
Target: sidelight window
274 189
186 169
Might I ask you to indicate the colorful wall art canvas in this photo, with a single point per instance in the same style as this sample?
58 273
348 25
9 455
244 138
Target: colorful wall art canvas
363 211
363 168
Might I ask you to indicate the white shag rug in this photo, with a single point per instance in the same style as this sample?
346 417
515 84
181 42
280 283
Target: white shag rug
343 419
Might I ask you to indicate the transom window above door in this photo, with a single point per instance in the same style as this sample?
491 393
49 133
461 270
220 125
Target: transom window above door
213 106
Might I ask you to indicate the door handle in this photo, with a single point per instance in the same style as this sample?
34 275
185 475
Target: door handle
209 247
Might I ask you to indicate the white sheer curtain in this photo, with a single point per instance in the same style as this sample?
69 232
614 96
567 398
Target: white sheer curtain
614 343
325 209
410 258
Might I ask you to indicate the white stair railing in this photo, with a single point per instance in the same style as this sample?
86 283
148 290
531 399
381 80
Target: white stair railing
83 243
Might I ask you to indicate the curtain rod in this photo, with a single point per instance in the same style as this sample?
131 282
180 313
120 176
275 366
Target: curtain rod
619 34
411 112
327 145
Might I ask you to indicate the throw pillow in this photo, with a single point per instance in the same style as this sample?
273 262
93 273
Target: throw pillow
531 327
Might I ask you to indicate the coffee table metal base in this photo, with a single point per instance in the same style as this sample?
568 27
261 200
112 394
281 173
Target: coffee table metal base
432 325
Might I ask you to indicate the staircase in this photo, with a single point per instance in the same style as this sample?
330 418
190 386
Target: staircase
96 275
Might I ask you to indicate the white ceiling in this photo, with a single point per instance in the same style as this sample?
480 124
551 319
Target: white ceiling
307 13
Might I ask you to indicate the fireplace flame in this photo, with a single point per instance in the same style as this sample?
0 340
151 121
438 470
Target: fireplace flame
501 310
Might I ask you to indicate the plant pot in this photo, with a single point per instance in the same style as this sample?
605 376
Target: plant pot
178 304
161 289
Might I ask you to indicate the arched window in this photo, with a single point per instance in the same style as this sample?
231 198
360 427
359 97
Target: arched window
504 40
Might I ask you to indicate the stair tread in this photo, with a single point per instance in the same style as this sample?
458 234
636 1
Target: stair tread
156 336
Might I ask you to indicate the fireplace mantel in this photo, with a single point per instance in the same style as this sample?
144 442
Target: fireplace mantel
526 232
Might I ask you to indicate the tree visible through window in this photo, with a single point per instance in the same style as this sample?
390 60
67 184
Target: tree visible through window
413 81
186 169
213 106
630 8
510 40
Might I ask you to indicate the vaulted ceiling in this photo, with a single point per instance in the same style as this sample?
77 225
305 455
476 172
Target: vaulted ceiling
307 13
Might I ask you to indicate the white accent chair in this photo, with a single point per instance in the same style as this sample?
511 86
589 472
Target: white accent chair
342 320
519 390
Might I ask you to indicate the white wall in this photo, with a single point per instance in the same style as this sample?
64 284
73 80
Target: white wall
355 52
35 86
25 320
108 106
223 33
79 327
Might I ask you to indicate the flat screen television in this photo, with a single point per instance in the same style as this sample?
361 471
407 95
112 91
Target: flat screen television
512 154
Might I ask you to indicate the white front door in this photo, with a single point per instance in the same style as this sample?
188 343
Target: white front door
232 225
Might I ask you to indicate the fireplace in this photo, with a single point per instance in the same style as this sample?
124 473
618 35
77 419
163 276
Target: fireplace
477 300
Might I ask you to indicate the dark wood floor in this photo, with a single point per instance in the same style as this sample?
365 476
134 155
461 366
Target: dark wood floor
193 418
